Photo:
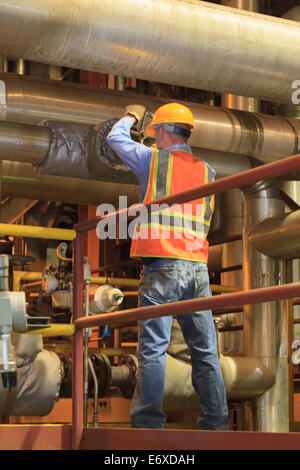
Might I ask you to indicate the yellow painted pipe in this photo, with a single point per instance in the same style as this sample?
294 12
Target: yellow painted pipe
55 329
115 281
19 276
37 232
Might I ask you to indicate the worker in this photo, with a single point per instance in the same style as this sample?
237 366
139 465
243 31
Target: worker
174 261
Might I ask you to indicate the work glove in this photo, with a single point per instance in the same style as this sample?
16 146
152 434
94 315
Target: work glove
138 111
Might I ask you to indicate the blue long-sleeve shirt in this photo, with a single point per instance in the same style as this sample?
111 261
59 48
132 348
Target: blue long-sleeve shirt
136 156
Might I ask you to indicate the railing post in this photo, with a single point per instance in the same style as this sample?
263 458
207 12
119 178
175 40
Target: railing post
77 345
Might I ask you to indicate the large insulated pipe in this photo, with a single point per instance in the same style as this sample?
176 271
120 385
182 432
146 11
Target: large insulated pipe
244 378
20 180
30 100
278 237
291 109
262 339
30 144
193 44
234 101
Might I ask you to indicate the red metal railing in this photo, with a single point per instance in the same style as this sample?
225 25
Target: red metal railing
235 299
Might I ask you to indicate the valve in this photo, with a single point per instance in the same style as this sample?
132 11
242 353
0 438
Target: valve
105 299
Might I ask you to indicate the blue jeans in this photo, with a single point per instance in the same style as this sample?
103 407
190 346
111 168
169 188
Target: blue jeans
171 280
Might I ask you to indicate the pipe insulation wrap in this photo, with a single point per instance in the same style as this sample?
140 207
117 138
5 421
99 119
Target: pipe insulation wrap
80 150
193 44
244 377
27 347
37 390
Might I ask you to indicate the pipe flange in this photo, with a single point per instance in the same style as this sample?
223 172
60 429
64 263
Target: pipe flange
102 367
132 363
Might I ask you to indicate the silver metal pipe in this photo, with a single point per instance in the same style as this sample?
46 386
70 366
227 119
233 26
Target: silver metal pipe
290 109
86 281
30 100
278 237
20 180
293 14
3 63
262 341
231 101
244 379
20 67
188 43
23 142
96 394
30 144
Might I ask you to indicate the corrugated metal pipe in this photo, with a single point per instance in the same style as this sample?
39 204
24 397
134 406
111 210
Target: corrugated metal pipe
188 43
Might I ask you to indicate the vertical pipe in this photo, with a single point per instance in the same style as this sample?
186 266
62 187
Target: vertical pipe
86 280
242 103
77 345
20 67
3 64
262 321
232 252
232 221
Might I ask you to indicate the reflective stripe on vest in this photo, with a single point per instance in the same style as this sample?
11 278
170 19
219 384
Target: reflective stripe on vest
189 221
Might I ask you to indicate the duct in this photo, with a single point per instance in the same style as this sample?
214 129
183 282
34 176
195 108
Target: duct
232 210
233 101
244 377
39 376
80 150
30 100
75 151
23 143
278 237
263 338
131 39
290 109
20 180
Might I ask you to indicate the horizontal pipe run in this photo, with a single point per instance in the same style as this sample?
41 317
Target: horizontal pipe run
55 329
115 281
270 170
30 100
278 236
23 142
37 232
21 181
201 45
235 299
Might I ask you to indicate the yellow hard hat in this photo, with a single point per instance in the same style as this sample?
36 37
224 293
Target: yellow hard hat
172 112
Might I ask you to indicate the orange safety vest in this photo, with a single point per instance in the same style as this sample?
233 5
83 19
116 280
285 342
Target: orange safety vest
178 231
